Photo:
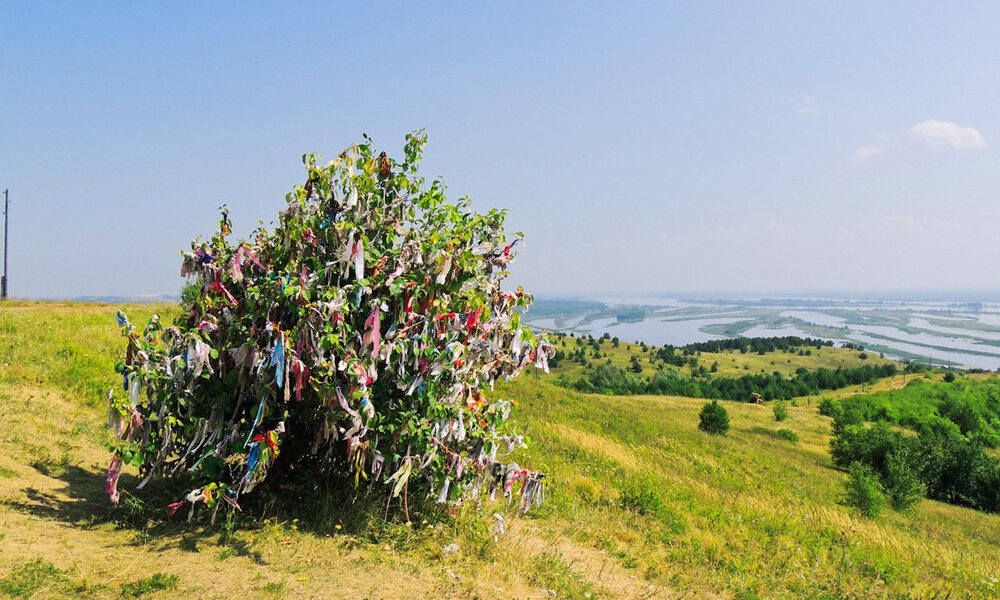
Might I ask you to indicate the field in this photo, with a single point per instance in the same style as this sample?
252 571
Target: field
641 504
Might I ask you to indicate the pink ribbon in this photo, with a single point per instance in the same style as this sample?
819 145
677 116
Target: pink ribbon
373 334
111 485
218 288
301 371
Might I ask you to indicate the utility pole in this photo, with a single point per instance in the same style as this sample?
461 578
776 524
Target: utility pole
6 231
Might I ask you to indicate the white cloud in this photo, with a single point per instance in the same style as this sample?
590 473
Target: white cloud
868 151
930 133
808 108
944 133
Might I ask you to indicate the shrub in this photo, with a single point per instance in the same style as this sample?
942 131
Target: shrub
787 434
348 347
902 480
962 413
780 411
828 407
713 418
847 416
191 290
864 491
939 460
870 446
949 377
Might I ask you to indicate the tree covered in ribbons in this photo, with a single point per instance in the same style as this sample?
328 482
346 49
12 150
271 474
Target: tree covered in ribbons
354 339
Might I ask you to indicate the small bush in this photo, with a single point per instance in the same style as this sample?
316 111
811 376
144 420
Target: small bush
780 411
902 482
949 377
191 290
828 407
864 492
713 419
787 434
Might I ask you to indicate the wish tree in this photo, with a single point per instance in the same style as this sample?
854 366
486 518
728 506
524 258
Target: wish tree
355 338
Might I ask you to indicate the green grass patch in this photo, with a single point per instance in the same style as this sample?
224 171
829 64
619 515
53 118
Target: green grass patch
157 582
26 580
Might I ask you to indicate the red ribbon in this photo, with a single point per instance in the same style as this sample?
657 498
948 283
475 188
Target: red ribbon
217 287
473 319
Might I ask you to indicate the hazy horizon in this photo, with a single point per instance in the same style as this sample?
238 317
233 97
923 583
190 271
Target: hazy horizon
946 296
838 149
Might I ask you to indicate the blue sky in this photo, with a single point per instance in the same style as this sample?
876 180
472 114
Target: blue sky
641 147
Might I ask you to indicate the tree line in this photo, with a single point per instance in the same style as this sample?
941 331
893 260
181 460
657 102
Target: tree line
614 380
760 345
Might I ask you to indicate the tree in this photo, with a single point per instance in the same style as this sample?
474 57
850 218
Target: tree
353 342
864 491
902 480
713 418
961 413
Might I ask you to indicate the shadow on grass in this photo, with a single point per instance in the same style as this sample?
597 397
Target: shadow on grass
330 509
81 502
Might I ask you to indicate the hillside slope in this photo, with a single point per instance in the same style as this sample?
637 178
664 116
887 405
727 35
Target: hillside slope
640 504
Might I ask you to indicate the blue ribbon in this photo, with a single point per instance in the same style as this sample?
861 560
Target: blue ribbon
253 458
278 360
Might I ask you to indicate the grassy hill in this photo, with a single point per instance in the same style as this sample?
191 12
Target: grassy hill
641 505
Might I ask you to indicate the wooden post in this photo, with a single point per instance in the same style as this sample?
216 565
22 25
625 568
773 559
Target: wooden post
6 230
